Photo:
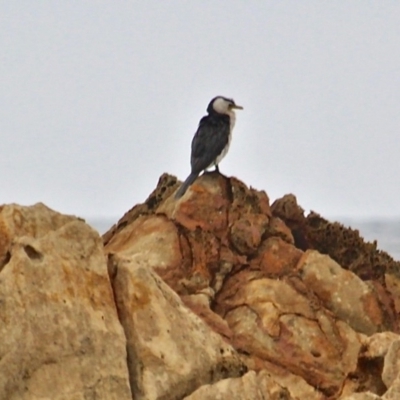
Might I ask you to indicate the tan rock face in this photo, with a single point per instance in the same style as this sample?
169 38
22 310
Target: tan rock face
342 292
171 351
60 337
273 321
362 396
240 265
391 367
34 221
251 386
216 295
276 258
153 241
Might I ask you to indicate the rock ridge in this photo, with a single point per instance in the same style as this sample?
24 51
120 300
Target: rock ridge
216 295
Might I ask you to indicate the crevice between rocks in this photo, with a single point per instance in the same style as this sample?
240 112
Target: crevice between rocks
112 270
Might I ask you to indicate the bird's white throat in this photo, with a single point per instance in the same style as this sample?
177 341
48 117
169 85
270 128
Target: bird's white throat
232 119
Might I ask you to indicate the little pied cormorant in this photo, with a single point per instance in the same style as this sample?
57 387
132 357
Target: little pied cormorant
212 139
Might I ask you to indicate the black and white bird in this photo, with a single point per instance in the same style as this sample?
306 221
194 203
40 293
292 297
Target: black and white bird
212 140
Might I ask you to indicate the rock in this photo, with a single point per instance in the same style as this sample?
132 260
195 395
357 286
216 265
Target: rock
197 292
34 221
394 391
204 205
392 284
249 216
296 386
371 360
277 227
200 305
272 321
251 386
377 345
255 274
167 184
60 337
362 396
171 352
349 250
391 366
246 233
342 292
276 258
154 240
288 211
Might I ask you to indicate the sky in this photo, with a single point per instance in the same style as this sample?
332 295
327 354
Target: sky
99 98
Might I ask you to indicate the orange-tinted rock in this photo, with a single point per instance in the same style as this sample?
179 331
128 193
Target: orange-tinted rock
287 209
249 215
392 283
247 200
272 321
276 257
200 305
246 233
277 227
240 266
205 205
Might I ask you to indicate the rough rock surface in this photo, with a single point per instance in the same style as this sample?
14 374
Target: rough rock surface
216 295
296 296
171 351
60 337
251 386
34 221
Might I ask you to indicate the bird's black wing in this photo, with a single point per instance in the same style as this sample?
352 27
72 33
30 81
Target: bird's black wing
208 142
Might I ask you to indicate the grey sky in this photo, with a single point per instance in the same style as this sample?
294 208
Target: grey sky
98 98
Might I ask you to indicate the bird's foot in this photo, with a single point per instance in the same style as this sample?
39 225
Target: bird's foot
217 169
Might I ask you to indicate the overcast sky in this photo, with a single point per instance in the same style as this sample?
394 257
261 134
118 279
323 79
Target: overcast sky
99 98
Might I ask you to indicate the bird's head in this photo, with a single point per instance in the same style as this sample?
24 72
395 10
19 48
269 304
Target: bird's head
222 105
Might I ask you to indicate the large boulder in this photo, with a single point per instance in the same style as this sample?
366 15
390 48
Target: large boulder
60 337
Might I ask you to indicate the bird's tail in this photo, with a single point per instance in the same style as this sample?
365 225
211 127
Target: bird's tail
189 180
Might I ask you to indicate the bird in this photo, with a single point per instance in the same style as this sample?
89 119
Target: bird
212 139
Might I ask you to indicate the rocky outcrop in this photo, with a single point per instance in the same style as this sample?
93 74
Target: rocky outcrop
294 295
216 295
60 337
171 351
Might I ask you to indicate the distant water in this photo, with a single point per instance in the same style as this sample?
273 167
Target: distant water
386 232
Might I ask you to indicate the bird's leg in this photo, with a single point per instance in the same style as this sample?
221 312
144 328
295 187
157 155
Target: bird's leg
216 168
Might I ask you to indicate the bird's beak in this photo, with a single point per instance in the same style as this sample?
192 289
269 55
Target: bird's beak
236 107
